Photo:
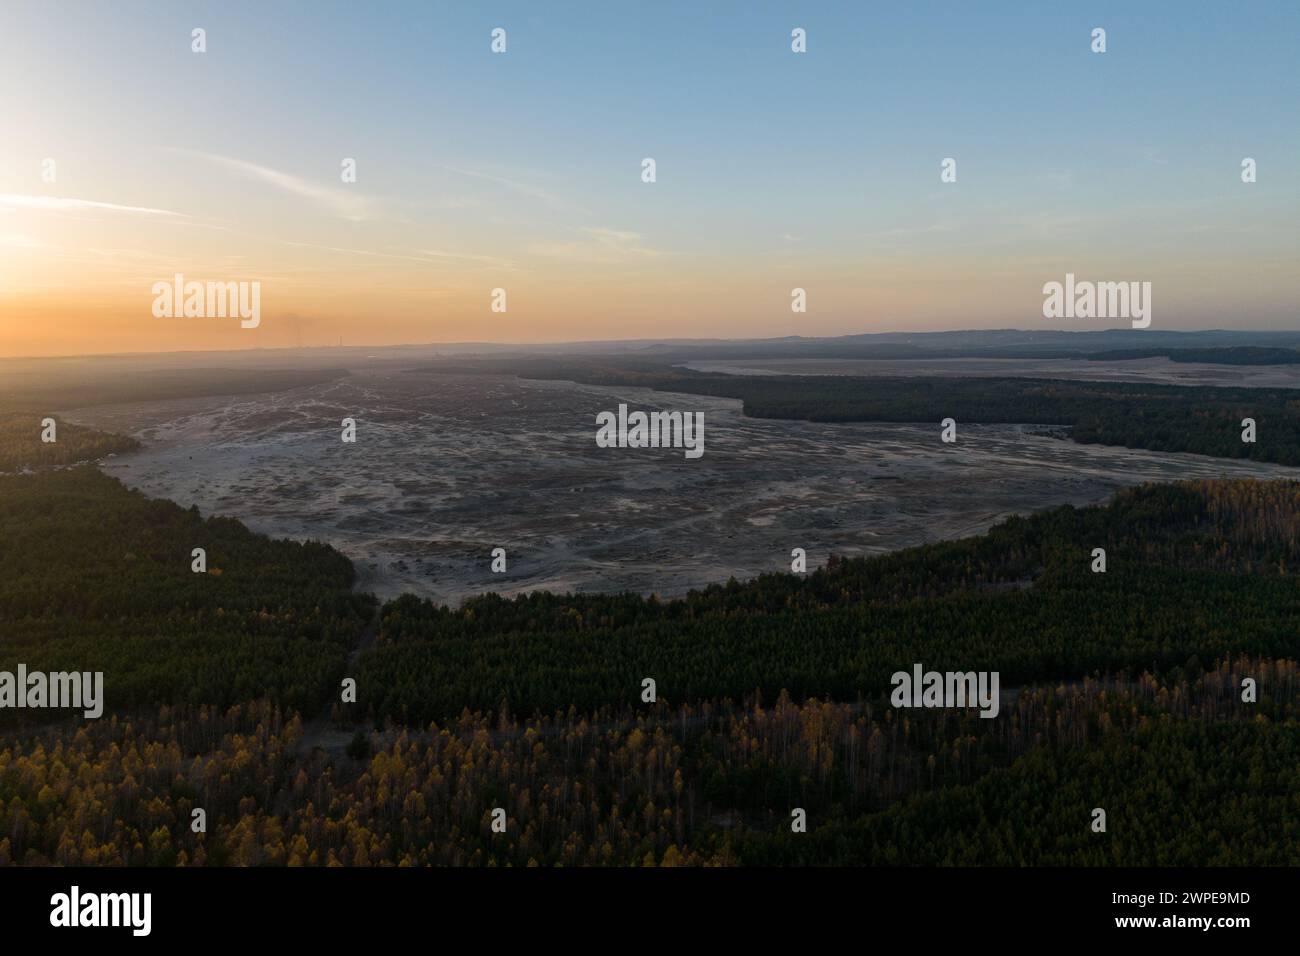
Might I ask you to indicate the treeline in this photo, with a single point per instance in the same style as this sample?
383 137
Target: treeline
1224 355
94 577
1200 420
35 384
1197 569
1186 771
22 447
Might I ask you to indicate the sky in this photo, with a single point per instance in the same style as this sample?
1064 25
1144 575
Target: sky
522 170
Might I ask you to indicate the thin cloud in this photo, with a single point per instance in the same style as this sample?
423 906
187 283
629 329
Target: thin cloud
910 231
347 205
418 255
70 204
438 254
513 184
602 245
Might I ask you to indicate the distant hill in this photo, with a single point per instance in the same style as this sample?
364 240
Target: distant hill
1211 346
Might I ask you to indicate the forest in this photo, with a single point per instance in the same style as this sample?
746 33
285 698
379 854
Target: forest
94 577
1225 355
21 446
1121 690
39 385
1202 420
1185 771
1193 570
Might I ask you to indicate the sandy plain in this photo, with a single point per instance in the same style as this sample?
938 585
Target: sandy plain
447 467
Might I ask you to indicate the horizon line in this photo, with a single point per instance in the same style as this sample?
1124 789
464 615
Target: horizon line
644 342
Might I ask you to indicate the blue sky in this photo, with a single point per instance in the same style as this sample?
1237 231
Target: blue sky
774 169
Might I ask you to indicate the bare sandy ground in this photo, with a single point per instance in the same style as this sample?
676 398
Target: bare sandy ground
1155 370
447 467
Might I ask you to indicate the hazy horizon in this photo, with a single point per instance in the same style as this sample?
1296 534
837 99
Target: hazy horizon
651 341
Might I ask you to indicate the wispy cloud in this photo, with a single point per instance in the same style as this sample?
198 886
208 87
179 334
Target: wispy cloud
69 204
430 256
438 254
338 200
903 232
601 245
524 189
